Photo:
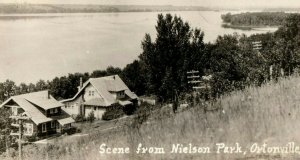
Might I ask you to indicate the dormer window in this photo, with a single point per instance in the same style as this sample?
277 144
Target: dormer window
53 110
120 94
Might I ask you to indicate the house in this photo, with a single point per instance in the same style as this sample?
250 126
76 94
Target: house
98 94
45 116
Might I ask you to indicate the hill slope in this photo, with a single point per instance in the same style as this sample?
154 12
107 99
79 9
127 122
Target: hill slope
269 114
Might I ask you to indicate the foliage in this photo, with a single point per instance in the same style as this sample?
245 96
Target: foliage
91 117
134 77
114 112
79 118
168 58
5 129
255 18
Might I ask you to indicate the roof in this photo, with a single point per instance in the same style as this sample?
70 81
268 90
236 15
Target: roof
95 102
28 102
66 121
35 114
41 99
124 103
104 86
131 94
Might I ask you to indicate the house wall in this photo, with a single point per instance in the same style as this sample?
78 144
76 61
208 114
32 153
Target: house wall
114 94
118 95
34 128
73 107
87 93
49 129
53 113
98 111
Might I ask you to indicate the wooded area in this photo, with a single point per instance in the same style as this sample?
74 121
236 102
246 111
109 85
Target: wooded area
257 19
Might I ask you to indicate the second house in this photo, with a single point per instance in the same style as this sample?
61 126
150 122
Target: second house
98 94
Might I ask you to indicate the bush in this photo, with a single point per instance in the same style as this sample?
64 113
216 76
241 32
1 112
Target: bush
113 112
91 117
70 131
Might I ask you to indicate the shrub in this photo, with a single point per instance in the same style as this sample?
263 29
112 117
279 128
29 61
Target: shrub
79 118
113 112
91 117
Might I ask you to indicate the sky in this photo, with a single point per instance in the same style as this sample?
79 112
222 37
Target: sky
207 3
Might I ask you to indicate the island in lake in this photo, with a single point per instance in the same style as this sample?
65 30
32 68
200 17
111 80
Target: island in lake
250 20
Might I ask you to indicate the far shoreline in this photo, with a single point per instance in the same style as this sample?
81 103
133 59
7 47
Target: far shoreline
248 27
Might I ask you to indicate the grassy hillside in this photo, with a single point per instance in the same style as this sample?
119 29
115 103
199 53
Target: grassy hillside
270 114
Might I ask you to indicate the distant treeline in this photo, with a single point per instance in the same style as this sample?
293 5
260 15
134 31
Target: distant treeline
60 87
70 8
258 19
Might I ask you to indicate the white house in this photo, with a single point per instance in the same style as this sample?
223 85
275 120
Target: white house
97 94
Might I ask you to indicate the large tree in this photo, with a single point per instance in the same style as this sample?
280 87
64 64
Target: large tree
176 49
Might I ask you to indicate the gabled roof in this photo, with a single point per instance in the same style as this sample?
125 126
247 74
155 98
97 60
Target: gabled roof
95 102
28 102
105 85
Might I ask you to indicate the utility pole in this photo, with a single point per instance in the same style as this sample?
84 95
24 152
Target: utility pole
257 46
193 79
19 125
199 83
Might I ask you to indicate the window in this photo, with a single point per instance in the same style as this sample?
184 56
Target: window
51 111
91 93
29 128
95 108
52 124
57 125
55 110
14 110
44 128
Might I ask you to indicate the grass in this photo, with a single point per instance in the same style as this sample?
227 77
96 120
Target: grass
270 114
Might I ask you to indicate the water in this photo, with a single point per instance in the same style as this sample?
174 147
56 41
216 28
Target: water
34 47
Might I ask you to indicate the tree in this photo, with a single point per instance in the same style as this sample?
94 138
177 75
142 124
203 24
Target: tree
134 77
7 89
41 85
5 129
168 58
23 88
287 48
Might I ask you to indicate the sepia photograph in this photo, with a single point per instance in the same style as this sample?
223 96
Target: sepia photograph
149 80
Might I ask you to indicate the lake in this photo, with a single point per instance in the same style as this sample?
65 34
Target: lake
42 46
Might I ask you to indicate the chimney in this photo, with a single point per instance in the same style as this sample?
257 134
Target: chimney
48 94
80 83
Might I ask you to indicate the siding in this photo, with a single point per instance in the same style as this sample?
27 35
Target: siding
89 89
98 112
73 107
